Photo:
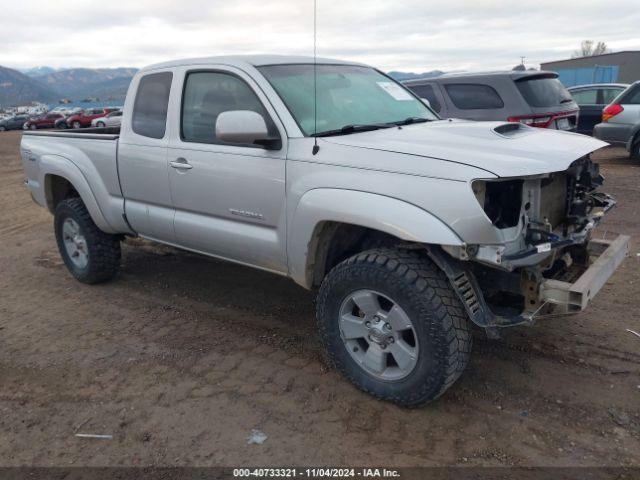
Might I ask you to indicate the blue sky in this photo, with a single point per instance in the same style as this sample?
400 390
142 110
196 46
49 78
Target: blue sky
408 35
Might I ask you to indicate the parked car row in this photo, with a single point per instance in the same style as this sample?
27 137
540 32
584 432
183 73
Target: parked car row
89 117
85 118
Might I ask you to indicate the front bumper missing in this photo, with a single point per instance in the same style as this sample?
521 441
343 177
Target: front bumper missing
574 297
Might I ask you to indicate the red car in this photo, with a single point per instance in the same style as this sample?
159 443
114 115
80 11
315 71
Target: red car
83 119
47 120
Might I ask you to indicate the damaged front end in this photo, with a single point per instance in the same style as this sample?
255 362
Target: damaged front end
547 261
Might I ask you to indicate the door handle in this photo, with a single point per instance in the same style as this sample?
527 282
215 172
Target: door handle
181 164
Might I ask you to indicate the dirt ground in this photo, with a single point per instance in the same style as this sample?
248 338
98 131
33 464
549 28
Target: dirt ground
182 356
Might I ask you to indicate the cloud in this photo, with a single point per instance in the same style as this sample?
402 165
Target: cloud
414 35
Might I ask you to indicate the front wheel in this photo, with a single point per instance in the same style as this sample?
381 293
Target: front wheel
101 124
76 125
392 324
2 128
91 255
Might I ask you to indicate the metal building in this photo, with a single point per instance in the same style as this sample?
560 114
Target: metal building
618 67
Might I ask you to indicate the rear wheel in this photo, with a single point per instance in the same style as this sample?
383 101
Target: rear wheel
76 125
101 124
91 255
392 324
2 128
33 126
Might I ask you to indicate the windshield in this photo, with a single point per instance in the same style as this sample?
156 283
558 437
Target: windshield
543 91
347 96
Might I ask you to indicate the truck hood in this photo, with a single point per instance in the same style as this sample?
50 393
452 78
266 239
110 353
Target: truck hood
503 149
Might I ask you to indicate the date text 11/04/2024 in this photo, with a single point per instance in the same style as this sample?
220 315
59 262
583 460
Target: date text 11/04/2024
315 473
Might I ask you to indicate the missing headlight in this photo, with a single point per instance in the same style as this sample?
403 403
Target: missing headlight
501 200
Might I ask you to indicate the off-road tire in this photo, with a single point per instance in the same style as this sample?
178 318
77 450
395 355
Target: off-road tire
103 249
424 292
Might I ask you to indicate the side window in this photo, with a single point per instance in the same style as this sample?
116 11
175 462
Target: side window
468 96
609 94
633 97
426 91
586 97
207 95
150 108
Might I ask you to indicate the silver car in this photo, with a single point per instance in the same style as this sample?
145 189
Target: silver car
621 121
113 119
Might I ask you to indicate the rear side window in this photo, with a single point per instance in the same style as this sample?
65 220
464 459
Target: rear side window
467 96
632 98
543 91
586 97
150 108
609 94
426 91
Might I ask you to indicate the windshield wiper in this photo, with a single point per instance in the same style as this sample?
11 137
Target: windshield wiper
410 120
347 129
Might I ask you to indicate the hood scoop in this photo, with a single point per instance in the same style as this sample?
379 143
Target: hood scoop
510 129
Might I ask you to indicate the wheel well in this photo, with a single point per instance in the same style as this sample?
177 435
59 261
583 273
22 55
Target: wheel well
57 189
333 242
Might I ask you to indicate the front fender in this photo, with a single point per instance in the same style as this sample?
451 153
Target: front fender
378 212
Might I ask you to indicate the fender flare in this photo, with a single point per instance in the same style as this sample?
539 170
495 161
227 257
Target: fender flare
63 167
395 217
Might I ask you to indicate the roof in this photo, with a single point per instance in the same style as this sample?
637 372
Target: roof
514 74
248 60
590 57
591 85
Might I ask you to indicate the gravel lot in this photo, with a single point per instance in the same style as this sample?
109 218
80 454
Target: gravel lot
182 356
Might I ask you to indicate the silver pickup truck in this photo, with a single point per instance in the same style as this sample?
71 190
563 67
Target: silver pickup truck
410 228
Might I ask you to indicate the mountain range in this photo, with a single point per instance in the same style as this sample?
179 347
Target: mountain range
17 88
401 76
46 84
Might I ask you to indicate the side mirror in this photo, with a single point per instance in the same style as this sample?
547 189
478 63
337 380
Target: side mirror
426 102
244 126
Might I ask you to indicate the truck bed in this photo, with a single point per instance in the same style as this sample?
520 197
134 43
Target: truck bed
105 133
88 158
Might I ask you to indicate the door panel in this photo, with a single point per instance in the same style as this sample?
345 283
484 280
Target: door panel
229 199
590 116
142 158
230 204
145 186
